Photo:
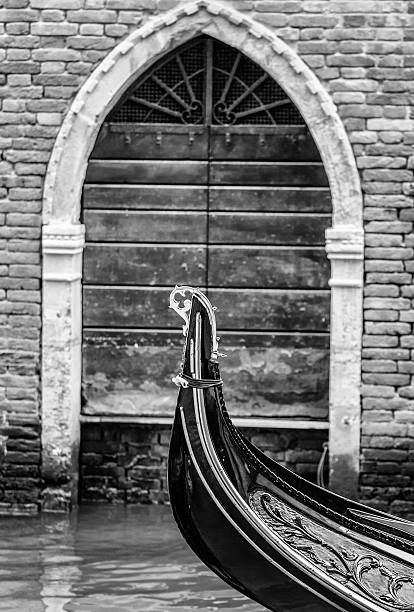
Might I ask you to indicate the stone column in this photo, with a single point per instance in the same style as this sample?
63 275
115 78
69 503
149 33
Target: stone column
345 248
61 365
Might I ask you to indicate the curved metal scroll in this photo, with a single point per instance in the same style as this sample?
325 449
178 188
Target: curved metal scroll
184 310
178 297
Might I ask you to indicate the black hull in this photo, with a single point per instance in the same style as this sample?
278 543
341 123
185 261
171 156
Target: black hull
216 541
278 539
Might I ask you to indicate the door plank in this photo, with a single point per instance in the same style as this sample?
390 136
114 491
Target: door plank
270 268
133 371
147 171
132 141
135 197
267 228
127 307
271 309
238 309
270 199
144 265
265 375
265 173
134 226
262 143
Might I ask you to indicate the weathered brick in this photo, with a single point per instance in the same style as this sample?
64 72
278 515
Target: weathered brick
401 125
25 271
407 214
91 16
384 240
387 328
407 341
53 29
91 29
53 15
115 30
380 341
23 219
384 429
407 392
18 15
387 175
18 28
384 353
350 60
379 365
387 303
375 290
377 391
392 227
55 54
396 278
389 253
381 315
382 187
93 42
386 379
407 292
406 367
380 161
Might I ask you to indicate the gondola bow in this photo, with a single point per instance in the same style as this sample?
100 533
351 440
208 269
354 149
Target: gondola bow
277 538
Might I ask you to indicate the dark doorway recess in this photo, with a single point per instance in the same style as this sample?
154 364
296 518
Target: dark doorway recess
205 174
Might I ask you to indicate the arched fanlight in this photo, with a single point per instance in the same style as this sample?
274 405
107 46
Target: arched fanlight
207 82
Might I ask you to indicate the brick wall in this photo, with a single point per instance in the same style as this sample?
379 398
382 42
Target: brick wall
128 463
363 52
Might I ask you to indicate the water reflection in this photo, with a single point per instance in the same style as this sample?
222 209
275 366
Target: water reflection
106 559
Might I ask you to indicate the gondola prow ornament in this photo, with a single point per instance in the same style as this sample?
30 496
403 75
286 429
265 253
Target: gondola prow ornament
277 538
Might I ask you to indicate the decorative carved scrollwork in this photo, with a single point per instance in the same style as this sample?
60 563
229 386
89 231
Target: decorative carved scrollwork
181 304
352 565
209 82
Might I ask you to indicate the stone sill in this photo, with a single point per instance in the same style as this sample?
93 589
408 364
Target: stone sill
250 422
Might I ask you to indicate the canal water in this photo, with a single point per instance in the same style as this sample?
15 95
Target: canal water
106 559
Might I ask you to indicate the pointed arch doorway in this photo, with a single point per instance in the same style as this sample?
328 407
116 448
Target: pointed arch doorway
63 231
206 174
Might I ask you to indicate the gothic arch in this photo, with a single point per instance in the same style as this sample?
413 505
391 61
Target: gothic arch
63 233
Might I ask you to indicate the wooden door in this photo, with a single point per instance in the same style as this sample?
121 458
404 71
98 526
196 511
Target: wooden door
269 206
145 212
239 210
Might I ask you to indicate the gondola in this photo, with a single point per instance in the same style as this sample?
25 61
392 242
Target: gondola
286 543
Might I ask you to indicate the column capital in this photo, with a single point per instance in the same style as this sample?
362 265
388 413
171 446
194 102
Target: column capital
345 249
62 248
63 237
345 242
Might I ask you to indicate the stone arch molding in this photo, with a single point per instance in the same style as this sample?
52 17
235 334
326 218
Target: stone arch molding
63 235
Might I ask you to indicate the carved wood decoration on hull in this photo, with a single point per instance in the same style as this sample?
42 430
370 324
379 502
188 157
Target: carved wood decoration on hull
358 567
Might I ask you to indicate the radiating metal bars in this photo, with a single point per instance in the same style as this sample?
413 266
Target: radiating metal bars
206 82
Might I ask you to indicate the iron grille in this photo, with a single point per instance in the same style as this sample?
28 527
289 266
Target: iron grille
207 82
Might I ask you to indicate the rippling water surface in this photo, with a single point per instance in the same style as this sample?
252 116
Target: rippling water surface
106 559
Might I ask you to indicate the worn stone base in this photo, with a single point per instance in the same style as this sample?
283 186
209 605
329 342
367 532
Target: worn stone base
128 463
15 509
56 499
